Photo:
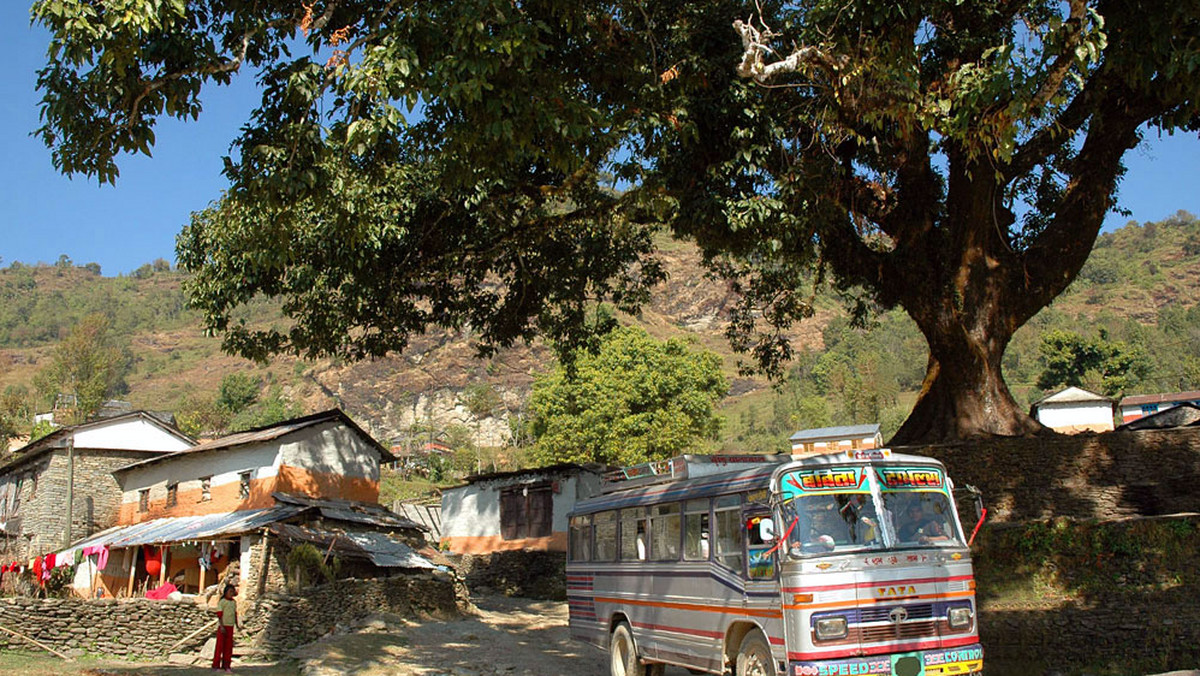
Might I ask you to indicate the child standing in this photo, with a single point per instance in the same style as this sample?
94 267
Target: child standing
226 620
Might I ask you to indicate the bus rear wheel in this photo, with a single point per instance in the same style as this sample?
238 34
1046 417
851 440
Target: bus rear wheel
754 656
624 658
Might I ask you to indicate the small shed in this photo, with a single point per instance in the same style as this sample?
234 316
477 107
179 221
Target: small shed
1072 410
836 439
521 510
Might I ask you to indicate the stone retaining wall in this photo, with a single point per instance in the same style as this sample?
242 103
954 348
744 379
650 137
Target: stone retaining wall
1081 476
144 629
532 574
282 622
133 628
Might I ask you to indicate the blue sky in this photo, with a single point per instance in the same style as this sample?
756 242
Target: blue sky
123 226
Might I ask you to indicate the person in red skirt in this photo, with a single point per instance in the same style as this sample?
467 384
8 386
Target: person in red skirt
227 619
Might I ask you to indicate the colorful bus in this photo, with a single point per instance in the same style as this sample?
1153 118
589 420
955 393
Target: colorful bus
766 565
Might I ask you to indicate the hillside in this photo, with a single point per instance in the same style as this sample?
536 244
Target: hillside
1136 277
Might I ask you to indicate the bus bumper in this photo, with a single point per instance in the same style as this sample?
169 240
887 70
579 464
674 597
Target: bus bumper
948 662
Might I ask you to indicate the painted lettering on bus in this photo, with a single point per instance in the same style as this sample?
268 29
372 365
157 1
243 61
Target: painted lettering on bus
911 478
825 480
902 590
860 668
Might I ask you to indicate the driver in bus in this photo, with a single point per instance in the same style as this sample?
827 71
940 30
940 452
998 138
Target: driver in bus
919 527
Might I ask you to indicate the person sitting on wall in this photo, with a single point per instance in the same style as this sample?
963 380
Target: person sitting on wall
920 528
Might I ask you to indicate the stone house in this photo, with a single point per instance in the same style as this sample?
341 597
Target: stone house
522 510
836 439
196 516
75 462
1072 410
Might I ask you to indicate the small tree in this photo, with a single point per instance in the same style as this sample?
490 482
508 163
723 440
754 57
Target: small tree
1094 363
635 399
88 364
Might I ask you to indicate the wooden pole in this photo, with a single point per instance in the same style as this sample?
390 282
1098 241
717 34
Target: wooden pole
37 643
132 569
192 635
163 551
203 570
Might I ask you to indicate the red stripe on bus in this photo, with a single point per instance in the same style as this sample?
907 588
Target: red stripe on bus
878 583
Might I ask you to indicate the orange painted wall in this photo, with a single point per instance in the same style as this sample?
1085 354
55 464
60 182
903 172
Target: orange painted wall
483 544
227 497
224 498
326 485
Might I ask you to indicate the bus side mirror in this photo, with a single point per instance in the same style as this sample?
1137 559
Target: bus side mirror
766 530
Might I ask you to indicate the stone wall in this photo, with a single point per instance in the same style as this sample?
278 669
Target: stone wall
140 628
1083 476
282 622
43 509
134 628
538 575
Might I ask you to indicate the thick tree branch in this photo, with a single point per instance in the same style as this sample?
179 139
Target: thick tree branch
804 59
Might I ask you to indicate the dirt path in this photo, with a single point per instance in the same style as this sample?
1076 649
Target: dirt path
516 637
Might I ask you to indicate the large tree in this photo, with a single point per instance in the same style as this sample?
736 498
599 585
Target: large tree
450 163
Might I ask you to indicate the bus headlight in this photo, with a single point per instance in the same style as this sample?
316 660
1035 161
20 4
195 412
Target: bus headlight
830 628
960 617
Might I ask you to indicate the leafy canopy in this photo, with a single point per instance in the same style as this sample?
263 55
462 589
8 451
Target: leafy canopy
1108 366
453 163
635 399
88 364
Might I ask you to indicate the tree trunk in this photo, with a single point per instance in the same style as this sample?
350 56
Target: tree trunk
964 398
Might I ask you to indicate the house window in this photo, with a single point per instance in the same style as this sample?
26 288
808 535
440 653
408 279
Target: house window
172 494
144 500
244 485
1147 409
205 488
526 511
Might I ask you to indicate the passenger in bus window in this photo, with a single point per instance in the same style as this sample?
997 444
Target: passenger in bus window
920 528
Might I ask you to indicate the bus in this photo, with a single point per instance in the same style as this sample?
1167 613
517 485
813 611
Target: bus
852 563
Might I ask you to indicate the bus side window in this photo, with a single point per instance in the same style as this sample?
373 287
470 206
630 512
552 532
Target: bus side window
696 531
604 525
729 541
665 532
581 538
633 534
761 562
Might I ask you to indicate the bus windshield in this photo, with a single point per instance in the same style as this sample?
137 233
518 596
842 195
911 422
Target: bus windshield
832 510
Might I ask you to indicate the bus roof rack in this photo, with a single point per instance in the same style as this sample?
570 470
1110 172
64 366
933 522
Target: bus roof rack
685 467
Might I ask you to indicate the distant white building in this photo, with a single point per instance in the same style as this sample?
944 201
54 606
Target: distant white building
1074 410
1139 405
836 439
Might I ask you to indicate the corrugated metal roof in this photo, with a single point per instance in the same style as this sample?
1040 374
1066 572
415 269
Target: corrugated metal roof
352 510
1071 395
841 432
57 439
379 548
1139 399
186 528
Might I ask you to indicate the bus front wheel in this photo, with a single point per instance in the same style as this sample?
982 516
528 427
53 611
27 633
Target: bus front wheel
754 656
623 652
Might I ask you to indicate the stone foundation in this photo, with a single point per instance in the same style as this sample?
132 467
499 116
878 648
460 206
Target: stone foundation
537 575
275 623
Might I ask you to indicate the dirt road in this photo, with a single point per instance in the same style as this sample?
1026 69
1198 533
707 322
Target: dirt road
516 637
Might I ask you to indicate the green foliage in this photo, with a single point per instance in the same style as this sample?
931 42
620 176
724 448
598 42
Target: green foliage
16 413
307 565
273 408
41 429
634 399
238 392
1097 364
88 364
450 164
